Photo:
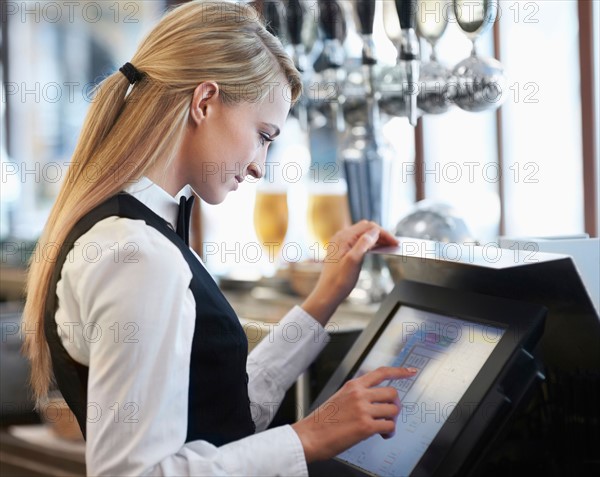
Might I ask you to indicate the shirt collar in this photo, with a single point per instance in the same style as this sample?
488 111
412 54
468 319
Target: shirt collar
156 198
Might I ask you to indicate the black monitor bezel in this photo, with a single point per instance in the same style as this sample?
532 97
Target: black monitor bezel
523 324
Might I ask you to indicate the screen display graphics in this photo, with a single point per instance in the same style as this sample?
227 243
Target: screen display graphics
449 353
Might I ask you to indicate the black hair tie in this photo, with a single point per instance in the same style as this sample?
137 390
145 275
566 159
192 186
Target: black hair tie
130 72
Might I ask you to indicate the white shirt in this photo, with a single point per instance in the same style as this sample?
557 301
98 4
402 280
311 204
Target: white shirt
126 312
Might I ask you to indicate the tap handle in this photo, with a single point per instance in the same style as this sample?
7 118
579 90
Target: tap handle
273 17
295 20
366 15
407 12
331 19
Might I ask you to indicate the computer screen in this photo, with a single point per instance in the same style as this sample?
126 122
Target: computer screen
449 353
475 359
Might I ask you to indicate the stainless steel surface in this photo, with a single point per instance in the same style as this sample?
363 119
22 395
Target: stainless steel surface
368 51
479 82
366 158
435 97
434 221
409 55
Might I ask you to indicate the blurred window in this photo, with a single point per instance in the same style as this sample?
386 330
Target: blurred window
56 52
543 161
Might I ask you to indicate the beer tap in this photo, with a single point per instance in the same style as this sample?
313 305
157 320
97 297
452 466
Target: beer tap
295 23
331 21
366 16
330 62
409 53
323 79
274 18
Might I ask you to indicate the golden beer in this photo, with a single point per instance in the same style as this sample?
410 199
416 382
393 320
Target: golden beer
327 213
271 219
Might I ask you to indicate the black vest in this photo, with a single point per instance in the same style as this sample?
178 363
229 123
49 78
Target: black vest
218 404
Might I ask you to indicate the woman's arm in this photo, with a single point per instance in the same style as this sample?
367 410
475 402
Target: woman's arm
279 359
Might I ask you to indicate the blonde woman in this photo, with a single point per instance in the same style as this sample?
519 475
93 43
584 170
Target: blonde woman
129 324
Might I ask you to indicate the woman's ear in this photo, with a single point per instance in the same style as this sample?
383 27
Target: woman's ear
205 96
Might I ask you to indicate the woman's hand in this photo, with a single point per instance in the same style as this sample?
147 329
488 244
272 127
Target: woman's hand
357 411
342 265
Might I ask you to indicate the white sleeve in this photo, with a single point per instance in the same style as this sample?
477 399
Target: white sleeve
278 360
140 317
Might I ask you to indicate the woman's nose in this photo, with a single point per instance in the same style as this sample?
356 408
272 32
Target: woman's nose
254 170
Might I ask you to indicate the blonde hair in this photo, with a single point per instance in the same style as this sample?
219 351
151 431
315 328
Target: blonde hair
125 134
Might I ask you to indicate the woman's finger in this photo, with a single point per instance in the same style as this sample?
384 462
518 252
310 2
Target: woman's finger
385 427
382 394
386 372
348 240
386 238
385 411
364 243
354 232
350 235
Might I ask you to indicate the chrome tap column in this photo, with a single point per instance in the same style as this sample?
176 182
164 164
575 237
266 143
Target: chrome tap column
363 154
409 53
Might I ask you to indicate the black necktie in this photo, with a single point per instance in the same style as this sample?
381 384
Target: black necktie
183 218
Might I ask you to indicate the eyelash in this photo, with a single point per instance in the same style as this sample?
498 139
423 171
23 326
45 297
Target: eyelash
264 139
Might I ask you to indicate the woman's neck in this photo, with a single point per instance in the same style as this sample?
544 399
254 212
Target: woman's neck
167 178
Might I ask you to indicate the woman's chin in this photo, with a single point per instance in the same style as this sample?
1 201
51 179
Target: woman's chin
213 198
216 195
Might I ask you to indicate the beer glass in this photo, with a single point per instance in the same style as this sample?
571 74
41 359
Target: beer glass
271 223
328 212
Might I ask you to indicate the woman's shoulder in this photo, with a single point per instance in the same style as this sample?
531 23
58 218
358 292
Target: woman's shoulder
120 233
124 246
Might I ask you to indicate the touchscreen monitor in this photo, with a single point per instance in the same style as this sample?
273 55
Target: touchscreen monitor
474 355
448 353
